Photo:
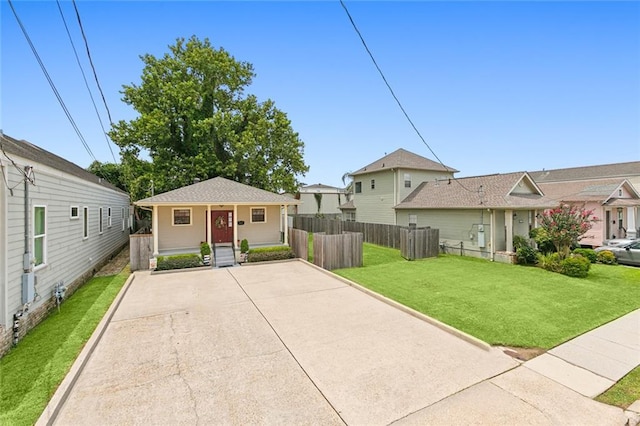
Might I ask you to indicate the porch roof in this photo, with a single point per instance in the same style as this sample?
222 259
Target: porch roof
597 190
217 191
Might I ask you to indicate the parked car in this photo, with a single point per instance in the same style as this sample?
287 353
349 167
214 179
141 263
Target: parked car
628 253
617 242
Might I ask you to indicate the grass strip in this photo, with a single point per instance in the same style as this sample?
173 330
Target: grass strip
32 371
501 304
625 392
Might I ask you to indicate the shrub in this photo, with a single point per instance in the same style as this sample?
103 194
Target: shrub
179 261
541 237
520 241
606 257
588 253
575 266
244 246
526 255
205 249
264 254
550 262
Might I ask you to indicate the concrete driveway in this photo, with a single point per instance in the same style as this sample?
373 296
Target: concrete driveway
286 343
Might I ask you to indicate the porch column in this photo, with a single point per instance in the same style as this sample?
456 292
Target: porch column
235 225
154 227
209 224
631 222
508 221
286 225
493 236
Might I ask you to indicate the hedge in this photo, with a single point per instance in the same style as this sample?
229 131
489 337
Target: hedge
178 261
264 254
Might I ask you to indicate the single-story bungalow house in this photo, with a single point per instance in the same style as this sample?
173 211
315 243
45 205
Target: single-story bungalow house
220 212
58 225
614 202
477 216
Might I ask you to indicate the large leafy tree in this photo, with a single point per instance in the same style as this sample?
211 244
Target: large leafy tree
195 121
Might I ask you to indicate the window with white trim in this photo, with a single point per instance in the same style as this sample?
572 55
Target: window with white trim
181 216
258 215
407 180
74 212
358 187
122 217
100 221
39 235
108 217
85 223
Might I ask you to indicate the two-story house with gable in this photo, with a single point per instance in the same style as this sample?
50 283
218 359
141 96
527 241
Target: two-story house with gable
378 187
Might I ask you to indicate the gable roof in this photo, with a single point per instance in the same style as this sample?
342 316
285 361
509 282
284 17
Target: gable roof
21 148
217 191
503 191
619 170
599 190
404 159
318 187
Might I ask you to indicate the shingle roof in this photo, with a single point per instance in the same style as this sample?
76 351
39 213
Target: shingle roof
349 205
31 152
621 170
402 158
498 191
217 191
599 190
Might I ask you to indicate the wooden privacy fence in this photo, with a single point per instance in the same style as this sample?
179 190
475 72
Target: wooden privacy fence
418 243
337 251
374 233
139 251
299 242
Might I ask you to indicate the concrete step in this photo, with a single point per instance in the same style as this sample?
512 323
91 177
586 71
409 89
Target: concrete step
224 256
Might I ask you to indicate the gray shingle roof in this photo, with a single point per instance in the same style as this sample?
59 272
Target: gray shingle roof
349 205
402 158
31 152
217 191
621 170
498 191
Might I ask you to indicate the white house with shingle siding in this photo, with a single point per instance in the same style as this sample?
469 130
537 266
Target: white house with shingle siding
476 216
64 220
381 185
330 198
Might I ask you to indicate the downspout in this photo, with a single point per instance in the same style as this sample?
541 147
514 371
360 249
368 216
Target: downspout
493 234
395 196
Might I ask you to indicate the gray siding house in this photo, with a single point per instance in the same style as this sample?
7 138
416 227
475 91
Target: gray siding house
378 187
58 225
477 216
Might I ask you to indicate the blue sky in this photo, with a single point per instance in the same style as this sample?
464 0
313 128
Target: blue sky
493 87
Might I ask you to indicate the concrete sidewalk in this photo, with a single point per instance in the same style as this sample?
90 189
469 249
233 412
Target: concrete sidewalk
593 362
286 343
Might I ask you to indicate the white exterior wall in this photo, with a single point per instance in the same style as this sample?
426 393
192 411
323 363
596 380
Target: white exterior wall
329 203
172 237
417 177
68 254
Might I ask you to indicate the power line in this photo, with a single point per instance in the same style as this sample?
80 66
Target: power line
50 81
364 43
95 75
84 77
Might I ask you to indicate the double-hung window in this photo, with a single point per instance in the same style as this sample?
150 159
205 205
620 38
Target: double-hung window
39 235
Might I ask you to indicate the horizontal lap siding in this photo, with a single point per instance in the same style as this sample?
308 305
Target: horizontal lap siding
259 233
68 255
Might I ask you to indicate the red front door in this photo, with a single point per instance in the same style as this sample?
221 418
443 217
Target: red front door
222 226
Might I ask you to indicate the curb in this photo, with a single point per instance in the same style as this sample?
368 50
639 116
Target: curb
51 411
445 327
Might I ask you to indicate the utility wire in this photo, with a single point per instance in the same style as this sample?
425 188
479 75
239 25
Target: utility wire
95 75
84 77
364 43
50 81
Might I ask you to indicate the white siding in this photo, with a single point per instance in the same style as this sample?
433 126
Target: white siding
417 177
69 256
329 204
4 277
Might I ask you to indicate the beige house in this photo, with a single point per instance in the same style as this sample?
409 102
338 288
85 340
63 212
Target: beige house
614 202
219 211
383 184
328 197
477 216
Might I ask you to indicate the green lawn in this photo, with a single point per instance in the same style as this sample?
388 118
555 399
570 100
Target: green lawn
625 392
501 304
31 372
